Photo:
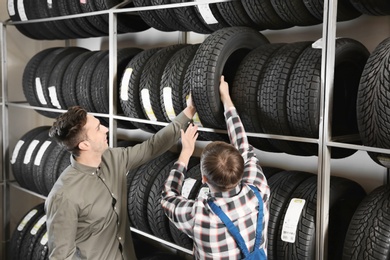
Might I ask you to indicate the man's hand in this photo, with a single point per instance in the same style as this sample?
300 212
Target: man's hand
188 139
225 95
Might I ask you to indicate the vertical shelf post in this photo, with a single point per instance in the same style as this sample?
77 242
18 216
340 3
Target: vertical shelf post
113 48
5 143
324 155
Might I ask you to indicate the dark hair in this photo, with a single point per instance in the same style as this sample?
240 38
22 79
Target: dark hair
222 164
68 129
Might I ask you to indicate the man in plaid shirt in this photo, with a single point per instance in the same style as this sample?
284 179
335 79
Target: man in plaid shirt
227 169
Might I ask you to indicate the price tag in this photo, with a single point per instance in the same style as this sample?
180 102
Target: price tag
187 187
291 219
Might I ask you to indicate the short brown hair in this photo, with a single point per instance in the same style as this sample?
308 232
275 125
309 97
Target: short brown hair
68 129
222 164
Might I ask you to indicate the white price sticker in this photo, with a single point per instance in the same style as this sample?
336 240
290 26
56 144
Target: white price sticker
125 84
206 13
291 220
187 187
146 104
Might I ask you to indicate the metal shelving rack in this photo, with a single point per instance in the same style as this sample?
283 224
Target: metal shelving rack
324 141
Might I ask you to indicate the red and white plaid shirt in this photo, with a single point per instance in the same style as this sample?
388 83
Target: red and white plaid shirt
211 238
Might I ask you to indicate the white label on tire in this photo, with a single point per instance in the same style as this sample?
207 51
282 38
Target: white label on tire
53 97
38 225
385 161
125 84
187 187
21 12
38 88
291 219
203 193
205 12
30 150
146 104
18 145
11 7
44 239
41 152
26 219
167 95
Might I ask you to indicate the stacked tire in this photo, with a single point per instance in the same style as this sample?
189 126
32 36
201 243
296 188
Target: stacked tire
29 239
69 28
275 86
37 161
202 18
373 102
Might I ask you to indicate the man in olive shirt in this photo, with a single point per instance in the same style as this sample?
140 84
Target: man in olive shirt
87 207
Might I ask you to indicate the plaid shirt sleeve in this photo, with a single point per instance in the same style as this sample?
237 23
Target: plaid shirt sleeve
178 209
253 174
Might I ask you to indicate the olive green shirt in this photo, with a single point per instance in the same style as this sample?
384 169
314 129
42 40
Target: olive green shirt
86 210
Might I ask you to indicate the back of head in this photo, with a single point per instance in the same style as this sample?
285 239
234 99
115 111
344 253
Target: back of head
222 165
68 129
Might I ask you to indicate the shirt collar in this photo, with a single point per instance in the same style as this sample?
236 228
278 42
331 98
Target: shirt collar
83 168
227 194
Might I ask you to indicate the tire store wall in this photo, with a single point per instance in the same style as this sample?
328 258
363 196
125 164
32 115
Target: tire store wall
369 30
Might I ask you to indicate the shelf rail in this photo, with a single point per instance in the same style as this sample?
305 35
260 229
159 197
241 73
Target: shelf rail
324 153
5 145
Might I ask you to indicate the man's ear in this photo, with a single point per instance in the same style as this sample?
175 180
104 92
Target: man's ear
84 145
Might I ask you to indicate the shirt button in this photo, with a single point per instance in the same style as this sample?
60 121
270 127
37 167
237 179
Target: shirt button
104 179
115 208
112 194
119 238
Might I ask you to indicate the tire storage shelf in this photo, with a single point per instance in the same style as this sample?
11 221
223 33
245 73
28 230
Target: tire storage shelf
323 142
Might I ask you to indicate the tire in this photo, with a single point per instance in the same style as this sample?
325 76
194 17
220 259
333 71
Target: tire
32 237
188 16
294 12
100 83
84 80
220 54
41 250
149 85
272 95
244 91
69 89
345 10
373 102
140 187
191 185
303 106
172 80
158 221
282 185
22 228
345 196
368 232
29 76
168 15
29 157
39 170
56 76
151 17
126 22
234 14
372 7
129 89
19 153
263 14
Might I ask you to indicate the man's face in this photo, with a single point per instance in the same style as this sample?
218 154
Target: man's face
96 134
